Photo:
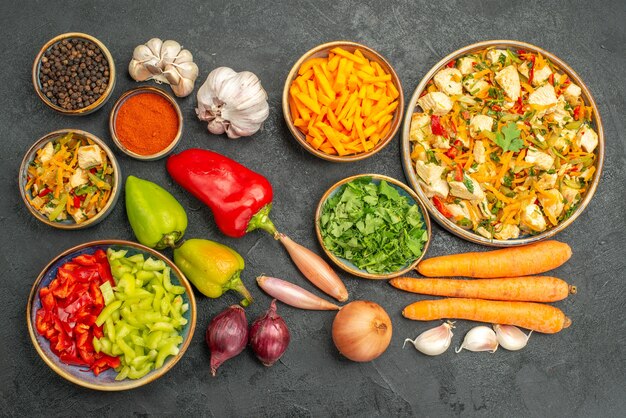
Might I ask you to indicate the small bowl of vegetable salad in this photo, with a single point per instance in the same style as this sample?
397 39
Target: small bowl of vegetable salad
111 315
69 179
372 226
503 143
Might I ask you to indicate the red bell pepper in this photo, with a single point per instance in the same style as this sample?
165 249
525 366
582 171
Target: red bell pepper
240 198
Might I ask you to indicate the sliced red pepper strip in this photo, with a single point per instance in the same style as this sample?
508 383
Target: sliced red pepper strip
441 207
436 128
458 173
44 192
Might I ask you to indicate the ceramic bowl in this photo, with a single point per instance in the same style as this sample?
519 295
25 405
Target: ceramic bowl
103 97
113 117
69 223
348 266
411 174
322 51
106 380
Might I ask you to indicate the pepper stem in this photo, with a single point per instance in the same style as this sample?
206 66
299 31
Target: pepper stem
237 285
169 240
261 220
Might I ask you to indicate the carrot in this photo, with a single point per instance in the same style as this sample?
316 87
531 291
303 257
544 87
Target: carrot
508 262
529 289
534 316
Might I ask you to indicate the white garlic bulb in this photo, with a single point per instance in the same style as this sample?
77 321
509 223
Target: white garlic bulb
232 103
164 62
435 341
479 338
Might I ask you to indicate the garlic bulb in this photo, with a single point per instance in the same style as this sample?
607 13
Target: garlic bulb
164 62
232 102
435 341
479 338
510 337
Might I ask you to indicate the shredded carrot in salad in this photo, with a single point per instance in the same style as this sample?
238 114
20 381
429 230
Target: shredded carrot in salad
69 179
503 143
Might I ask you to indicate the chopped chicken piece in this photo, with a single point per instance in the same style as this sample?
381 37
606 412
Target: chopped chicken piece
540 159
78 178
480 123
89 156
587 138
493 55
466 65
46 153
459 189
430 173
572 93
552 203
508 78
543 98
437 102
506 231
532 218
448 81
479 152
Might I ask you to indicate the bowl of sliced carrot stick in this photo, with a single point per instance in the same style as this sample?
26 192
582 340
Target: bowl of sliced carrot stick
69 179
343 101
503 143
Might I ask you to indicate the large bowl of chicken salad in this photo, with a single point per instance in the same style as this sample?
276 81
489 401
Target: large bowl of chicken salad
503 143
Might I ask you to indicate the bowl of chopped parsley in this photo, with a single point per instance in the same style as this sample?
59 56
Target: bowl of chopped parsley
372 226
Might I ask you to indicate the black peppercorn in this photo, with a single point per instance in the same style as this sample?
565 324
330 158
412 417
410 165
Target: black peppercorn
73 73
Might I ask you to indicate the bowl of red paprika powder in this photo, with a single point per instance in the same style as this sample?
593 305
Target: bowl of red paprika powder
146 123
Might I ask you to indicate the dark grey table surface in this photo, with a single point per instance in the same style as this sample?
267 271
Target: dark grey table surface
579 372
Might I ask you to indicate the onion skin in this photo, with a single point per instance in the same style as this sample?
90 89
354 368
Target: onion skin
227 335
294 295
362 331
315 269
269 336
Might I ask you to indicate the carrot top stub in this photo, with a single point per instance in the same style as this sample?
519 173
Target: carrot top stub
343 103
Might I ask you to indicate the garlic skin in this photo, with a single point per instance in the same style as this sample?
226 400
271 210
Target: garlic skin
435 341
479 338
164 62
232 103
511 337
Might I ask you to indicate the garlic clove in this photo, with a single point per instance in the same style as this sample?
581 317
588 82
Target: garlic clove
138 71
511 337
155 46
183 88
479 338
187 70
183 56
172 75
169 51
153 65
435 341
142 53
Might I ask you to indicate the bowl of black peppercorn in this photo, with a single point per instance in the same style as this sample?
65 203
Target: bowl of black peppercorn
74 74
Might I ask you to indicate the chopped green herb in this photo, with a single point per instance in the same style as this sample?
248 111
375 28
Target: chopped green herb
509 138
468 183
464 222
373 226
507 180
494 157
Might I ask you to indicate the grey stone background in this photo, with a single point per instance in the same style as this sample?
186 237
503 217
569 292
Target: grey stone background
579 372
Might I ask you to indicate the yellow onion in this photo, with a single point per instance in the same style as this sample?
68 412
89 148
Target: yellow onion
362 330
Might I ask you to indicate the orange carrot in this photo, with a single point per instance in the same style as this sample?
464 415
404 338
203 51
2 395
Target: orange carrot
534 316
529 288
508 262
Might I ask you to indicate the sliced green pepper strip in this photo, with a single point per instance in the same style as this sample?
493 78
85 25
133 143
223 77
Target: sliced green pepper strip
107 311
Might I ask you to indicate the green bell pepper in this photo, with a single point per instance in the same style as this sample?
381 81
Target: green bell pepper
156 217
213 268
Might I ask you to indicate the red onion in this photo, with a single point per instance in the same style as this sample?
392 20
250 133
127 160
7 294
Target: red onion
269 336
227 335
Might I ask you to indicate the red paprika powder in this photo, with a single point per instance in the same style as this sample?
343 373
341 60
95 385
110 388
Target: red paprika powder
146 123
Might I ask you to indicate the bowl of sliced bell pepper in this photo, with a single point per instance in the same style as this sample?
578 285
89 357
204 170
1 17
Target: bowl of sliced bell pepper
111 315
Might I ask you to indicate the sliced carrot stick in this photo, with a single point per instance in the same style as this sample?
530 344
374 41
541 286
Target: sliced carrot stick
534 316
528 289
508 262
